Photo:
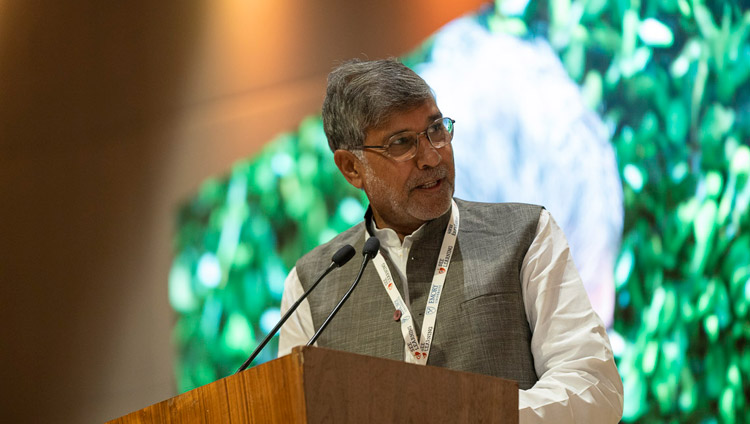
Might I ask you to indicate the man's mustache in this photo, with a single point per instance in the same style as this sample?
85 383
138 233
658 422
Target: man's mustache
427 176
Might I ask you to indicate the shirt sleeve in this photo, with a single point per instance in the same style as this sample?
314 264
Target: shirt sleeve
299 328
578 378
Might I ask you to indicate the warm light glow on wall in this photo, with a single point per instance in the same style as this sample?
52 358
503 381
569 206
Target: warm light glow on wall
249 45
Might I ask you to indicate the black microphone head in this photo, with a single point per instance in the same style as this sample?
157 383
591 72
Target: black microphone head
343 255
372 245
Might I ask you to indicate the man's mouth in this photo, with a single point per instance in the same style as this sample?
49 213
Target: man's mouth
429 185
430 180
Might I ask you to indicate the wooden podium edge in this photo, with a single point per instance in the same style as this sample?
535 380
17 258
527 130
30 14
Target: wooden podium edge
347 387
254 395
322 385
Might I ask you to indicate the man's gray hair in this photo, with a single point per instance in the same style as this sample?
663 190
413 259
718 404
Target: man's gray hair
362 95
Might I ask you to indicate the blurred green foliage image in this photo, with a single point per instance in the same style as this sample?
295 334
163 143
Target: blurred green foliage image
237 240
671 80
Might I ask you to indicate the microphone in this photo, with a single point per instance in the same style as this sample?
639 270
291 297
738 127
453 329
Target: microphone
339 258
372 245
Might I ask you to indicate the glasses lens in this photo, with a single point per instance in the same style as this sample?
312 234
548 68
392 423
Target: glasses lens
402 146
441 132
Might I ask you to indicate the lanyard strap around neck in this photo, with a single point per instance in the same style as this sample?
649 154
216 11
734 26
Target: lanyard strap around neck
419 349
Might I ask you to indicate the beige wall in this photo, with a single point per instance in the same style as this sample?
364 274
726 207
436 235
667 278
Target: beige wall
111 115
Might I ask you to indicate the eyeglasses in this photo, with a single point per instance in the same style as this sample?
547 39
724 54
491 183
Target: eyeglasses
403 146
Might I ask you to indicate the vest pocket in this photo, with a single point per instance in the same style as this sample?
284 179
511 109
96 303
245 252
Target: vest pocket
496 313
499 337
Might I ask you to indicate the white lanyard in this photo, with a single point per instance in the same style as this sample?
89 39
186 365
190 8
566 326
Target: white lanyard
420 351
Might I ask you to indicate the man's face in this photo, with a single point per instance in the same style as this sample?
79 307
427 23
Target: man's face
404 195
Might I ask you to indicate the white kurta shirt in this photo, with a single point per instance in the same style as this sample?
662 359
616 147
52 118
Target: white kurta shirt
578 379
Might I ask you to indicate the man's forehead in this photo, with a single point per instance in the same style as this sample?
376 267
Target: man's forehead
391 120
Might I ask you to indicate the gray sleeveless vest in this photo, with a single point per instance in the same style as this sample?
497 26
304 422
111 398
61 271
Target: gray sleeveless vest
481 325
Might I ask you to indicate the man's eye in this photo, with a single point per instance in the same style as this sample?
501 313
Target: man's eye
401 141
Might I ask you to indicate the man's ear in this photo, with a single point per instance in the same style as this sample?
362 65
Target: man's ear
350 167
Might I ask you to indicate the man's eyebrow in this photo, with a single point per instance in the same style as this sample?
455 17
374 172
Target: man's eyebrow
435 116
430 119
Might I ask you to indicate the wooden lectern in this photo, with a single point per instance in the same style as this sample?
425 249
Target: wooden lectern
316 385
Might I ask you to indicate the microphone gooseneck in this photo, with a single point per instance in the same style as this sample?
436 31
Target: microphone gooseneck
372 245
342 256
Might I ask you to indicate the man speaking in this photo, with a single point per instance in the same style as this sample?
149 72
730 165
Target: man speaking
477 287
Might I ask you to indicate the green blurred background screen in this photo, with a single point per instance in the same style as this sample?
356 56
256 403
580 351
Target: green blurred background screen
628 120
